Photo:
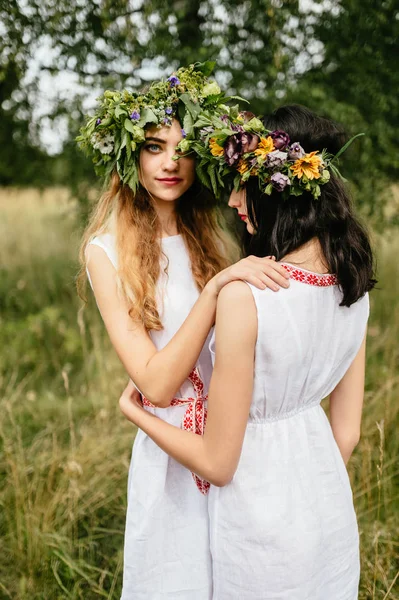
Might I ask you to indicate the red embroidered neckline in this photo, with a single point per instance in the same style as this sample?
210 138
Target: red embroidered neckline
310 278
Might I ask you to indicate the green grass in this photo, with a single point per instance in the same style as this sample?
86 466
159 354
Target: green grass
65 449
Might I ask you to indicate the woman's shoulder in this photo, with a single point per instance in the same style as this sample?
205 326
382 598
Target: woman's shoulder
235 291
107 242
236 300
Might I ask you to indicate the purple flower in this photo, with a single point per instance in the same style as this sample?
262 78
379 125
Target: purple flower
166 121
281 139
224 118
237 145
183 133
249 142
205 131
276 159
98 121
295 151
169 110
238 128
233 150
173 80
279 181
253 162
135 116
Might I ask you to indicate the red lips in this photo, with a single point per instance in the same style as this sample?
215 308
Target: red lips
170 180
242 217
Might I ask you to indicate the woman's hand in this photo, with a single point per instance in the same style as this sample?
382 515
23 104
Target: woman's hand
261 272
130 402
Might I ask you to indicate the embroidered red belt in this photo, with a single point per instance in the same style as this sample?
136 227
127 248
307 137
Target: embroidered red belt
194 419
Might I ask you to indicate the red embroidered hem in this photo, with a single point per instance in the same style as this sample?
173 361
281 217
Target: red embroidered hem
194 418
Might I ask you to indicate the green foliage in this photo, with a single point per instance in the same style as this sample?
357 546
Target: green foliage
351 76
338 58
186 94
65 448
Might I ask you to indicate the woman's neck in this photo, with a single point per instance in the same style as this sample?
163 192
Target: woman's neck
166 212
309 256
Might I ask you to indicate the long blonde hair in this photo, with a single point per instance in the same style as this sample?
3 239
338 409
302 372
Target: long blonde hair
135 223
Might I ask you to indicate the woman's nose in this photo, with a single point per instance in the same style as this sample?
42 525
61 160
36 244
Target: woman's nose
169 164
235 199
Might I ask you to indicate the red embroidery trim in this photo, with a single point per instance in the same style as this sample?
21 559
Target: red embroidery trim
310 278
194 419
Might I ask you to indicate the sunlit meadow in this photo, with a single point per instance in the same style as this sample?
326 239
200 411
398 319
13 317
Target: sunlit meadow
65 449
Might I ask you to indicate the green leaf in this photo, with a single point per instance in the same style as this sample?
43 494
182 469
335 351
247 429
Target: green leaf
346 146
129 125
119 112
228 98
336 172
202 121
203 177
133 180
213 99
193 108
206 67
188 123
237 182
117 147
147 116
296 190
212 177
105 123
316 191
128 146
268 189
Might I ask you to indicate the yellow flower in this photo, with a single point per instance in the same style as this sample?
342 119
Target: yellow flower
308 165
216 150
243 167
265 146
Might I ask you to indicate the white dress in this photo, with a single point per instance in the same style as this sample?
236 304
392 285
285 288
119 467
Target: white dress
285 527
166 552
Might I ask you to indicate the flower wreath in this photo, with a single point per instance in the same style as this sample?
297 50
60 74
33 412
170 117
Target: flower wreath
236 146
114 134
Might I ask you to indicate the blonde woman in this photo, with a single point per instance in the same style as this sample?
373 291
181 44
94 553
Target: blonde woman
157 258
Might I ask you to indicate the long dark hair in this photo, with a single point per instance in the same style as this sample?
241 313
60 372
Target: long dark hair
282 226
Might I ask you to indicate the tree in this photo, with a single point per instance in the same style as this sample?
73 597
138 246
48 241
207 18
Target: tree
352 77
123 43
336 57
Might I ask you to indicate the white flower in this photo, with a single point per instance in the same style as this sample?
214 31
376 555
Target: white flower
103 143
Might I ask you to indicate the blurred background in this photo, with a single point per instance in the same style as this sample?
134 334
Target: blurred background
64 448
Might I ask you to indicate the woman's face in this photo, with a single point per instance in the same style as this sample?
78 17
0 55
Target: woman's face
165 179
237 200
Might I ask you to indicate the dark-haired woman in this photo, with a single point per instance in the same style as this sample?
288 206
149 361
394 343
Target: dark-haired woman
282 520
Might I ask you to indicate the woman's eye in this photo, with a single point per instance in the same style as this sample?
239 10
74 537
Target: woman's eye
154 148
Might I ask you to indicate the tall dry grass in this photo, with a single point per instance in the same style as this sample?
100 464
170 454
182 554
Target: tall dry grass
64 448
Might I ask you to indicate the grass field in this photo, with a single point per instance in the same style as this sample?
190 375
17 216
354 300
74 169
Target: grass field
65 449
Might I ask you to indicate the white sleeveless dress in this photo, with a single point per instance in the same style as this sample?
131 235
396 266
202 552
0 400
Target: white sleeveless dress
166 552
285 527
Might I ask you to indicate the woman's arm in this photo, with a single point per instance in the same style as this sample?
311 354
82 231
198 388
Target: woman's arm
215 455
159 374
346 403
